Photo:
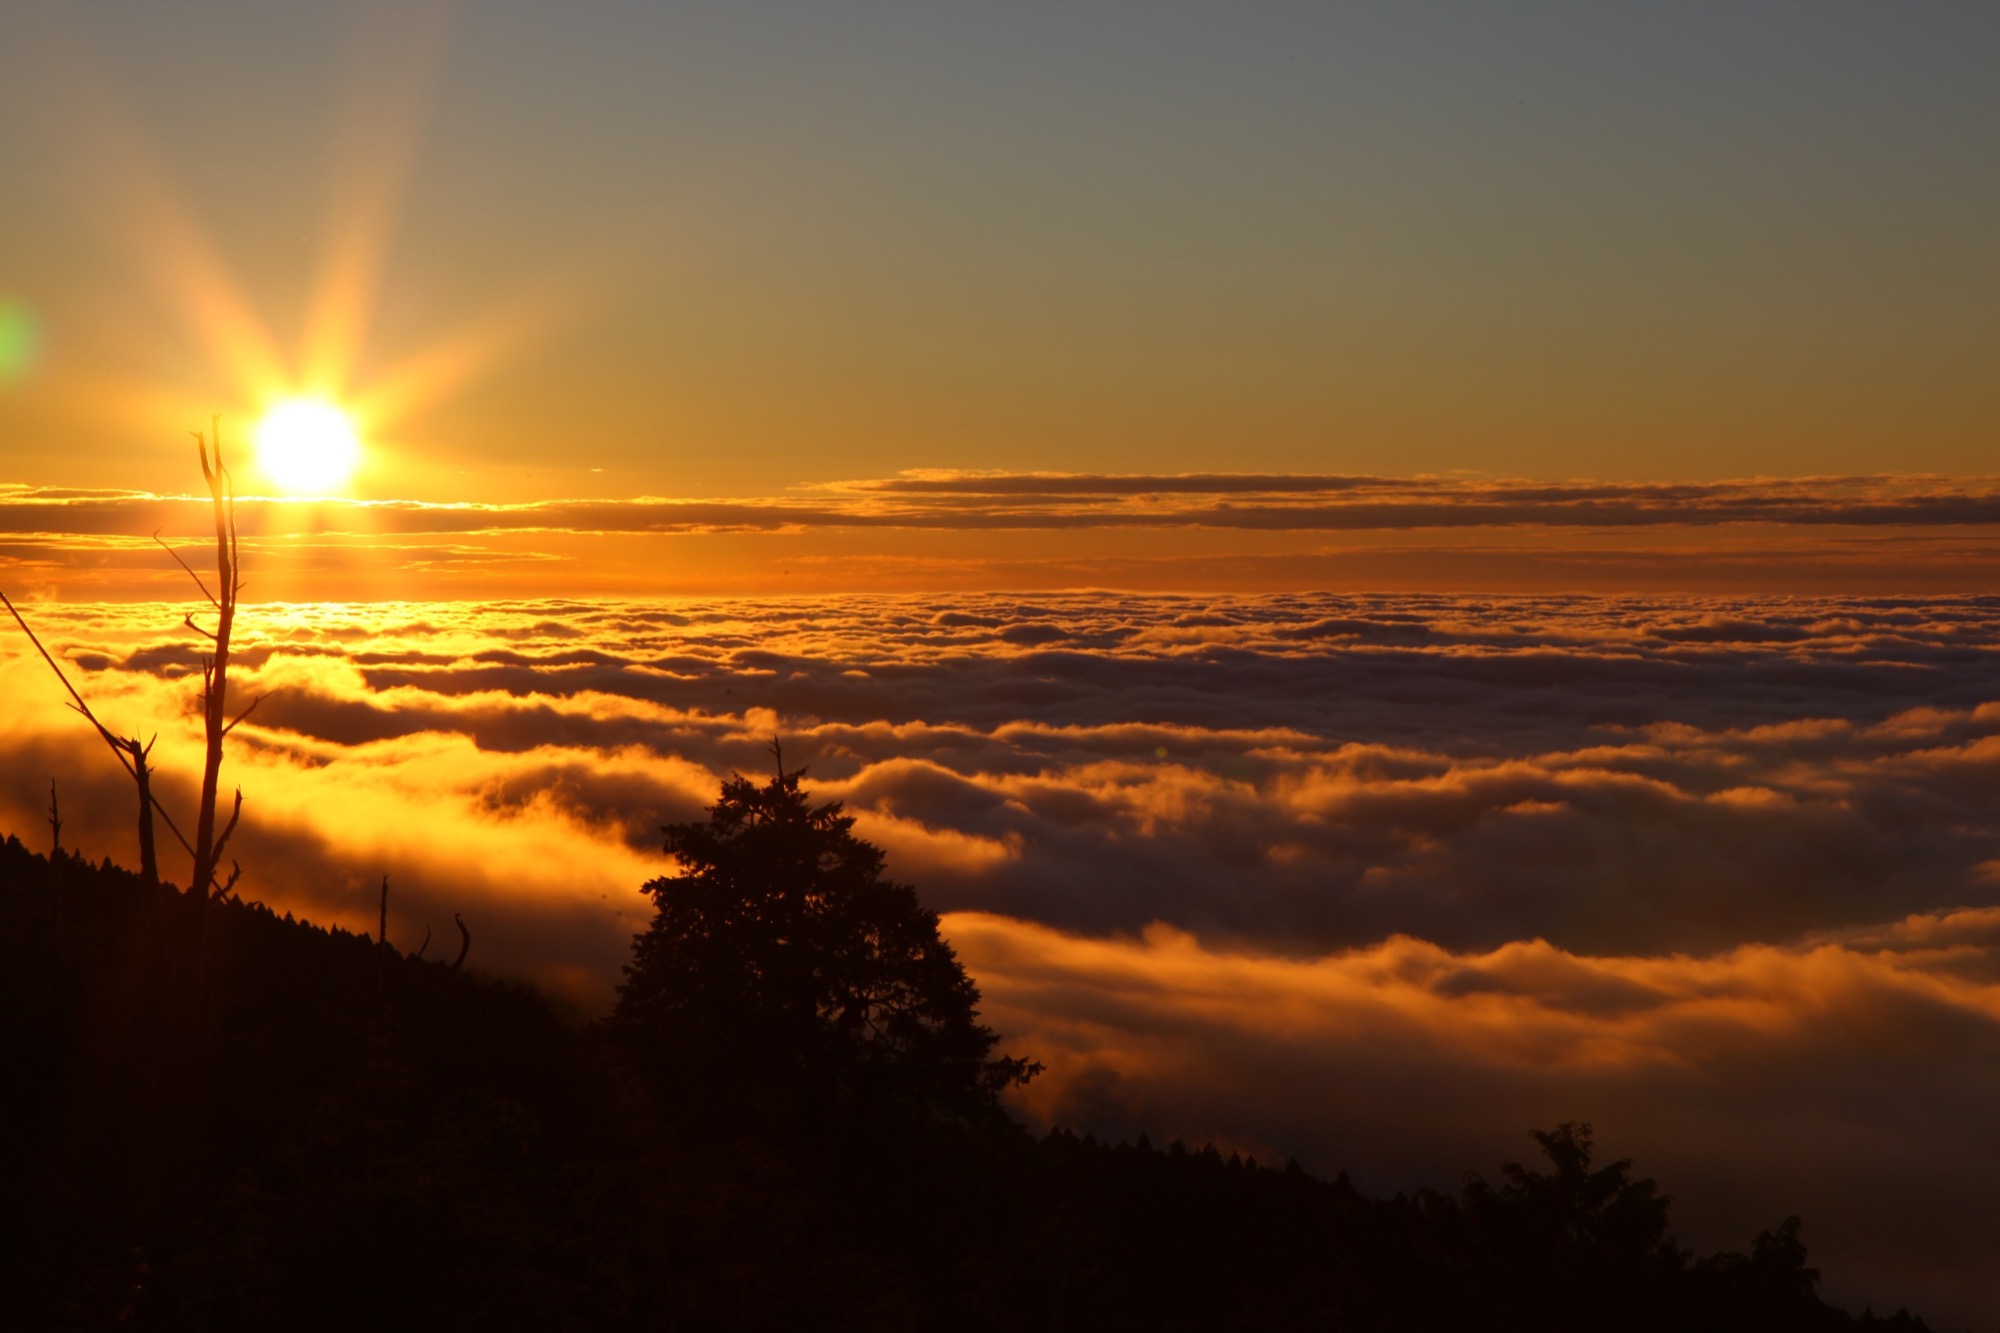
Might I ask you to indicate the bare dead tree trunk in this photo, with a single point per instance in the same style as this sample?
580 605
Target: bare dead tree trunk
216 723
208 845
382 943
55 862
130 753
142 773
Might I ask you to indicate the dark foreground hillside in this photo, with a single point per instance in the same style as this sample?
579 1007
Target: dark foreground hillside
330 1134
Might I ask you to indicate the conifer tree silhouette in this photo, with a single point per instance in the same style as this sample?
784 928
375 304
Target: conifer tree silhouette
782 964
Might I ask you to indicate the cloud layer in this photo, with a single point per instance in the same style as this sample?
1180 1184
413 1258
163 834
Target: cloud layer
923 531
975 500
1377 881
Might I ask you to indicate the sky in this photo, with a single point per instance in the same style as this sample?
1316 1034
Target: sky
706 253
1400 573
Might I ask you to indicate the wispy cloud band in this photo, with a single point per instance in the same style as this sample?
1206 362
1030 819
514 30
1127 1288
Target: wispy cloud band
980 501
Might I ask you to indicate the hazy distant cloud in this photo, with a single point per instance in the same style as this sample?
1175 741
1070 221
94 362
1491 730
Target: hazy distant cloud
1338 503
945 482
936 532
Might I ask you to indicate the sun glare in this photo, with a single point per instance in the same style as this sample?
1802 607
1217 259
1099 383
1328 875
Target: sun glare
307 446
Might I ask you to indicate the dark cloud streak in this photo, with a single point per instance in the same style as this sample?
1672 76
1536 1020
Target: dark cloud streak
1055 502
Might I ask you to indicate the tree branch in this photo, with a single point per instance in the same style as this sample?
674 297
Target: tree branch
223 839
79 705
118 747
246 713
190 573
172 828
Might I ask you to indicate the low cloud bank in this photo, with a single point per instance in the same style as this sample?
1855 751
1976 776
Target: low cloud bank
1853 1080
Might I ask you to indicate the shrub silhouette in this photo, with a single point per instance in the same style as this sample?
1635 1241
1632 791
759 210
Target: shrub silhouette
782 971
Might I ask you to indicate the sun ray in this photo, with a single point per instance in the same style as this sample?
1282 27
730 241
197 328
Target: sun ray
132 406
392 83
158 226
152 219
436 372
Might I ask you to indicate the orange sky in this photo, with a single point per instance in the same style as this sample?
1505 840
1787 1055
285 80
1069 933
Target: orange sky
718 257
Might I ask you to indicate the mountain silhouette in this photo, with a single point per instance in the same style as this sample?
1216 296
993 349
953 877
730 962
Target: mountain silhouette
330 1133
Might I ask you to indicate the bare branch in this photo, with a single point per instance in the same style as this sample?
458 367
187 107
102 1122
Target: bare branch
118 747
230 827
142 776
79 705
427 940
246 713
222 840
190 573
464 948
172 827
235 563
188 620
208 846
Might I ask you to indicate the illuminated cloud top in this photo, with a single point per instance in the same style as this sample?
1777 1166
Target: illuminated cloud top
1378 881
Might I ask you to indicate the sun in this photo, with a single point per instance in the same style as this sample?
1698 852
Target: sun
307 446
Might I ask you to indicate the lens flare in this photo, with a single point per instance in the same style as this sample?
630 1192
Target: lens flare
17 341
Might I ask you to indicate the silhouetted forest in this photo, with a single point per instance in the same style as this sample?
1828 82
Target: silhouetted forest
314 1130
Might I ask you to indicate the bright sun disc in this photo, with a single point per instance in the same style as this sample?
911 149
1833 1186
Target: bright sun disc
307 445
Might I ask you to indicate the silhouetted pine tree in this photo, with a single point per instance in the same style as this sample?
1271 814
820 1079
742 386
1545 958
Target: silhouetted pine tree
782 969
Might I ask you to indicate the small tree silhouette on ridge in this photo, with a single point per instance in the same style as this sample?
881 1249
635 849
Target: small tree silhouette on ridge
782 968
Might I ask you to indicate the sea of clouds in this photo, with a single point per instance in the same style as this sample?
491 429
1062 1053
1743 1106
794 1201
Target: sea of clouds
1379 882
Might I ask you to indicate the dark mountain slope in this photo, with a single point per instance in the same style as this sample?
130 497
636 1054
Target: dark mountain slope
330 1134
